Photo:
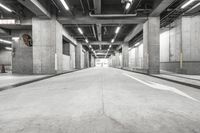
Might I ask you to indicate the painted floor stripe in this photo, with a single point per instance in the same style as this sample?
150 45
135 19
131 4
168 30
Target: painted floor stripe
162 87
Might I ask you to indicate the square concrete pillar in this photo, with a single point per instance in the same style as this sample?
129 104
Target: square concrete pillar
78 56
87 60
117 59
151 40
125 55
44 45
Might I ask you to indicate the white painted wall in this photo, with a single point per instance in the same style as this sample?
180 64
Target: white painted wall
185 32
136 57
101 62
5 57
191 38
66 63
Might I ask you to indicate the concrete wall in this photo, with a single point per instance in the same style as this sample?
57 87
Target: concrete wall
183 37
22 58
136 57
69 61
72 56
66 62
48 55
6 59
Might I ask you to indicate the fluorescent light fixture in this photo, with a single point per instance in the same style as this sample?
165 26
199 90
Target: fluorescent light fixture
86 40
8 48
187 4
6 8
65 5
137 44
198 4
128 5
15 38
7 21
117 30
5 41
112 41
80 31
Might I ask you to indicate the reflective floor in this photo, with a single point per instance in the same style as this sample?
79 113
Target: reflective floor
100 100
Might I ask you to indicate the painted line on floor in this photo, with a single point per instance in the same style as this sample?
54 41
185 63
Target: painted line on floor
162 78
162 87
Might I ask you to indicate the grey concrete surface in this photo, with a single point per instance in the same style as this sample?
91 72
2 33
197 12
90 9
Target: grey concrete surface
22 55
8 79
151 48
125 55
100 100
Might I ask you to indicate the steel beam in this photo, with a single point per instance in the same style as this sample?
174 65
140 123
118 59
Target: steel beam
35 7
102 43
160 7
90 20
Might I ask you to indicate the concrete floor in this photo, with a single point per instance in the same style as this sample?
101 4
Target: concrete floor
7 79
100 100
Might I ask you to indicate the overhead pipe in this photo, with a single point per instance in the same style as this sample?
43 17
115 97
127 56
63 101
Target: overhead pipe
111 15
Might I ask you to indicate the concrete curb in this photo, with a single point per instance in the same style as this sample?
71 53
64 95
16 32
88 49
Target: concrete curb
174 81
35 80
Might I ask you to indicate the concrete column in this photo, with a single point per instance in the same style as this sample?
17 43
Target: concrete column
44 46
91 60
117 59
151 40
87 60
125 55
78 56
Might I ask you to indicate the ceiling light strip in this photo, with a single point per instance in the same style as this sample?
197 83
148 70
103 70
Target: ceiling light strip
187 4
5 41
65 4
5 7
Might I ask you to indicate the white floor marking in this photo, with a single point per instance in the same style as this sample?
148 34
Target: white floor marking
162 87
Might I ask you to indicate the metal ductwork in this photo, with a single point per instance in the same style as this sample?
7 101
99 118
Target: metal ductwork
112 15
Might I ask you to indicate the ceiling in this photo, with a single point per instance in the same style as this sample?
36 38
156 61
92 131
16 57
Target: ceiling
105 31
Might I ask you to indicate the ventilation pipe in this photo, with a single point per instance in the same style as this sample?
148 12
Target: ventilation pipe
112 15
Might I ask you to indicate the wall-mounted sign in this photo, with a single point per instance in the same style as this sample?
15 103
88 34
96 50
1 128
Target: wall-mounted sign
27 40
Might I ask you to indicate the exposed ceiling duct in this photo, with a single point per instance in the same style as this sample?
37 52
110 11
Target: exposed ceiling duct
112 15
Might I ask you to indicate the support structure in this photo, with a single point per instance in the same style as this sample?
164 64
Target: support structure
125 55
117 56
151 40
44 46
78 53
